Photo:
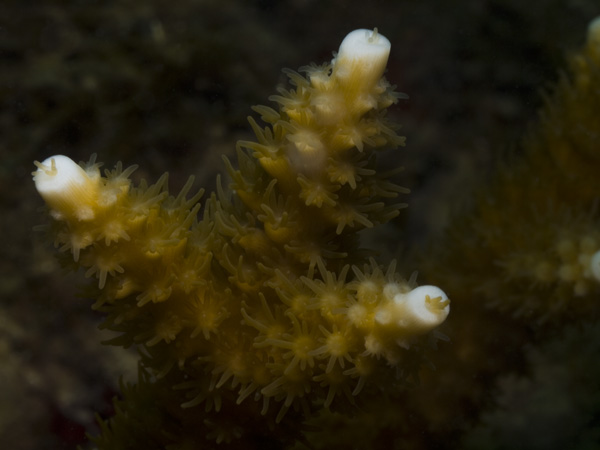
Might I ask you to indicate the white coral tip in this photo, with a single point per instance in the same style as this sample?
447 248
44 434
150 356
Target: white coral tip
595 265
429 304
422 309
66 187
593 32
57 174
365 45
363 54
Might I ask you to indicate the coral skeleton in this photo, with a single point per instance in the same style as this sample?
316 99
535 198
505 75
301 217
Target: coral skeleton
261 310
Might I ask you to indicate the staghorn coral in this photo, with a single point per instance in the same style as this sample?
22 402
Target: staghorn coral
543 267
265 312
521 262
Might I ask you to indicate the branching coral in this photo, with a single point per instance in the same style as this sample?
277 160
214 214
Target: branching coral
264 311
522 261
530 246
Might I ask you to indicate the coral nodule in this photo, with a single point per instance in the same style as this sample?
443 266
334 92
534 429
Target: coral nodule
261 311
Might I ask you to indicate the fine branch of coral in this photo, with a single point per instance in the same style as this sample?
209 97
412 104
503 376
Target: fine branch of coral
258 314
522 264
534 231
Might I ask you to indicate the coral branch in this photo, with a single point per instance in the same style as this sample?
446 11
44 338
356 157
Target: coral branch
249 311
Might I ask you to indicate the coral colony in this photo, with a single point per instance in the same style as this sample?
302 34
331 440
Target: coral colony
266 310
261 321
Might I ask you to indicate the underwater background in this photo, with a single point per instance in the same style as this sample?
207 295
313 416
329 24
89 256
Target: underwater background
169 85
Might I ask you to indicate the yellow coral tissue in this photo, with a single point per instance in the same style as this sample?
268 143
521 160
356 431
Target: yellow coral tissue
259 312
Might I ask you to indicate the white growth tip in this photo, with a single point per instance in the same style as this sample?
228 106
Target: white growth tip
595 265
66 188
365 45
593 32
363 55
57 174
428 306
417 311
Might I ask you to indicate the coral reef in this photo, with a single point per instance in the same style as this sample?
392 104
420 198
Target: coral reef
266 312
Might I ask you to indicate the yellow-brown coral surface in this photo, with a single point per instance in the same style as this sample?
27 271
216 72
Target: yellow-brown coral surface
261 311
